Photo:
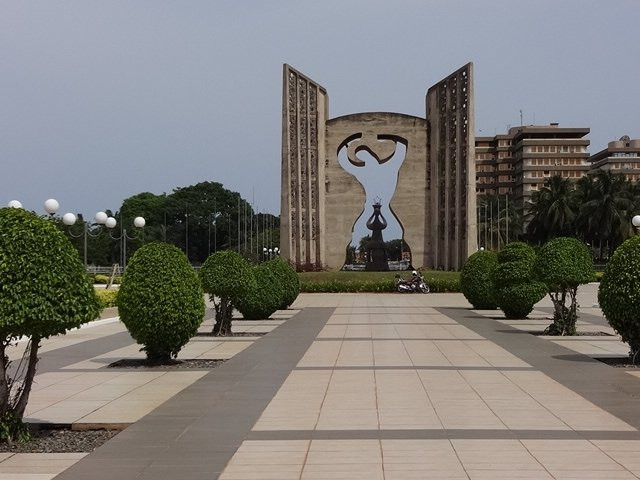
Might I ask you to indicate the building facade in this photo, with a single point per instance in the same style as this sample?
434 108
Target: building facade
620 156
518 163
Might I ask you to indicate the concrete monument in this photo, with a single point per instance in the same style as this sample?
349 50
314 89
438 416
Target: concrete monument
434 199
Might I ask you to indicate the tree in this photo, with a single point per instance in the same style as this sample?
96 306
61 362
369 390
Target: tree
552 210
606 209
160 301
44 291
517 290
619 294
226 277
476 279
563 264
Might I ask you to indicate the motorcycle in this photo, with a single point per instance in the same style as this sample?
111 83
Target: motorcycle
416 284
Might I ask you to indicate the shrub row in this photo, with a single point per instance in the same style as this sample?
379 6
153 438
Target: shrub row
437 285
107 298
517 278
161 299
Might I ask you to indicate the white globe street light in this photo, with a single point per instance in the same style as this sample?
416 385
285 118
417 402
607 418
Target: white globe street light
139 222
69 219
51 206
110 222
101 218
636 221
14 204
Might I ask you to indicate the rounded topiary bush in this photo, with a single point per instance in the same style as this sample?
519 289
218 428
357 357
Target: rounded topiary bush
619 293
563 264
517 290
227 277
517 301
289 281
263 300
44 291
160 300
476 280
516 251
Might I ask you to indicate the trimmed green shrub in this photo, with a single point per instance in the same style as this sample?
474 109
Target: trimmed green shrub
161 301
265 299
226 276
516 288
517 301
107 298
619 294
475 280
562 265
289 281
101 279
44 291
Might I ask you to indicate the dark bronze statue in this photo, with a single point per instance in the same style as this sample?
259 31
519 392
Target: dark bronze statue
375 249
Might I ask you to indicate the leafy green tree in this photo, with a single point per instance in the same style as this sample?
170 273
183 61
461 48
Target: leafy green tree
226 276
563 264
161 301
619 294
395 248
43 292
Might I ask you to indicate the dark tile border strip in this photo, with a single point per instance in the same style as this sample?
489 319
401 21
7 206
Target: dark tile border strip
369 339
419 367
611 389
392 323
430 434
194 434
56 360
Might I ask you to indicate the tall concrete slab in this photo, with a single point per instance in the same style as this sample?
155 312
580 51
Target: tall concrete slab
435 189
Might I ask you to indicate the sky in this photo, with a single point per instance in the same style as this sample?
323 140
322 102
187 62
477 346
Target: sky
101 100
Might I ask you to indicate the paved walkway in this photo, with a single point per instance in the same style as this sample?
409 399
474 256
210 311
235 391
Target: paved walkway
356 386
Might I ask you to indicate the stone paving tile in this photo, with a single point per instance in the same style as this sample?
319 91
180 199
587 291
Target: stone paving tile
36 466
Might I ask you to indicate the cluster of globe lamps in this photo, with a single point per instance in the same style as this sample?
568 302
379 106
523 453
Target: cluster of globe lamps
51 206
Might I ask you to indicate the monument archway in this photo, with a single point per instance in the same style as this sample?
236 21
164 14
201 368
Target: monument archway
434 198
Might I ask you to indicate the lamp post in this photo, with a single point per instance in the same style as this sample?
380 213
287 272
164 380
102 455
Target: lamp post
635 221
51 206
101 218
139 223
271 252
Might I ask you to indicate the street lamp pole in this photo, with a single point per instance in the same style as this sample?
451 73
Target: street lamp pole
635 221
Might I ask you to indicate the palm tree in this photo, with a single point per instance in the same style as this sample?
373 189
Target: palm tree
552 210
607 214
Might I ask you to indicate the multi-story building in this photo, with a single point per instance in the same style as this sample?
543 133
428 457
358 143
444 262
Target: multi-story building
620 156
518 163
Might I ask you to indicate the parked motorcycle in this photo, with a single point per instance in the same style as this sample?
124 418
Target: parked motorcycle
415 284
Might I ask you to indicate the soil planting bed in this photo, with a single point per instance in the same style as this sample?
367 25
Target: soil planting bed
61 440
618 362
235 334
195 363
579 334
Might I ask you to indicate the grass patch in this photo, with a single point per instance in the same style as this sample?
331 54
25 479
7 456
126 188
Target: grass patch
378 282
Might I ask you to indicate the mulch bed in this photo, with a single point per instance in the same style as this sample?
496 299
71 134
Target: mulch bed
538 333
618 362
235 334
61 440
195 363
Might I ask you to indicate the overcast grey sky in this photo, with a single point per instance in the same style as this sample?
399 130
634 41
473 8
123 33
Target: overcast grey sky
104 99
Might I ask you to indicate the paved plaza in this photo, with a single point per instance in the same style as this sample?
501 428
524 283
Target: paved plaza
349 386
